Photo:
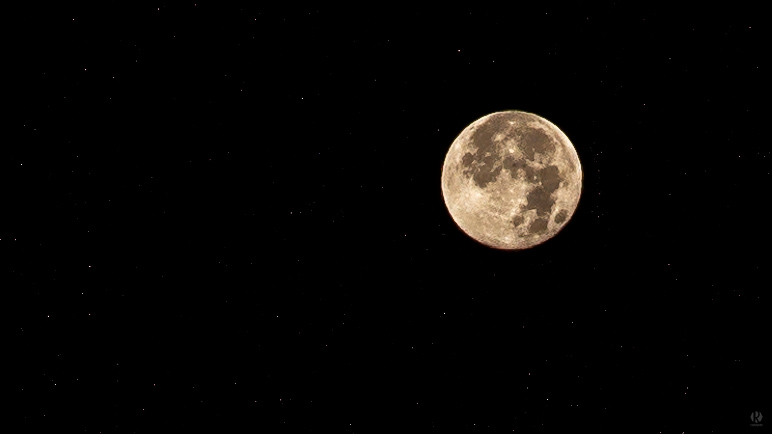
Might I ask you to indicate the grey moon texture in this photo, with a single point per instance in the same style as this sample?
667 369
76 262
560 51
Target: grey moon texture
511 180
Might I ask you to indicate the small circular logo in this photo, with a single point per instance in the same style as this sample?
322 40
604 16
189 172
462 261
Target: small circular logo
756 417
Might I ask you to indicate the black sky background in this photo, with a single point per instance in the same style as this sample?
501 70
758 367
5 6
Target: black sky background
230 218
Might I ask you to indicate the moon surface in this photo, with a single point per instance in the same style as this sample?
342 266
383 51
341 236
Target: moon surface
511 180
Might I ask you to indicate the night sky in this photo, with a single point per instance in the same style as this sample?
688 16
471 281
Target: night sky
230 218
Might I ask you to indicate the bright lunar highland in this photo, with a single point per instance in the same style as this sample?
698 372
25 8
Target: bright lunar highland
511 180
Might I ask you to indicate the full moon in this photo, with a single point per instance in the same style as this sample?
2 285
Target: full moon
511 180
